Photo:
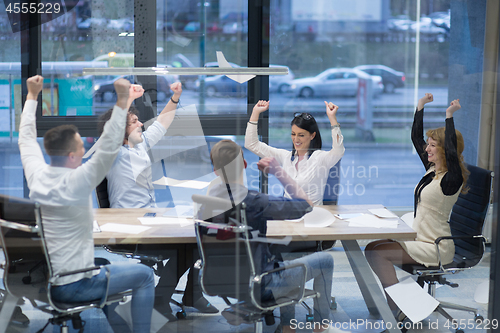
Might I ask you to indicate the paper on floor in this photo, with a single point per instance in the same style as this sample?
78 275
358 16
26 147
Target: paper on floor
412 299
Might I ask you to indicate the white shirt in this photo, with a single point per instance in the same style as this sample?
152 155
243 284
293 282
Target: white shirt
311 174
64 193
130 182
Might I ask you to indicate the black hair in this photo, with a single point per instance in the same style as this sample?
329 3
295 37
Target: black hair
307 122
103 119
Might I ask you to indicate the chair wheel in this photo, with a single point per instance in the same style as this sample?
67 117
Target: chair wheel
26 279
309 318
181 315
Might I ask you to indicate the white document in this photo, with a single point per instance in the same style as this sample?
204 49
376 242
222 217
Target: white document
124 228
166 221
95 227
347 216
224 64
318 218
371 221
167 181
382 212
412 299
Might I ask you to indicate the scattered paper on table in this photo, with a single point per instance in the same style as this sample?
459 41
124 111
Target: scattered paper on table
318 218
346 216
196 184
95 227
412 299
371 221
125 228
382 212
166 221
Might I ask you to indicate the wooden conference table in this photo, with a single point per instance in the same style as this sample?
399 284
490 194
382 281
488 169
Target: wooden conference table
183 239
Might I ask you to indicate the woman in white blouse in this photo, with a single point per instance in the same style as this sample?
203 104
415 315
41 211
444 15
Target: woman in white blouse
307 164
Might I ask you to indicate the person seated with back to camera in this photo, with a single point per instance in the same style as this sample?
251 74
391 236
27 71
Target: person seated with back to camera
130 185
64 189
229 164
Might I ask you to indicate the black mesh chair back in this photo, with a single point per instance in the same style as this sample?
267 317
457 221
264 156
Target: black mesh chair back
101 192
331 194
467 218
25 268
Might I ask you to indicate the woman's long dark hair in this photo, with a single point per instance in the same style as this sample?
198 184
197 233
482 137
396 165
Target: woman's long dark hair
307 122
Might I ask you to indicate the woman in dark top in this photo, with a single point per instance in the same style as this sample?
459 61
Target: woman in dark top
435 195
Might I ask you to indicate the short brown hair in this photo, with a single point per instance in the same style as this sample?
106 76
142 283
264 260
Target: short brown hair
59 142
223 155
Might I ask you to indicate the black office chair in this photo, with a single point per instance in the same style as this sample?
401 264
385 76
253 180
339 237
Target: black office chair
466 223
23 243
135 251
227 268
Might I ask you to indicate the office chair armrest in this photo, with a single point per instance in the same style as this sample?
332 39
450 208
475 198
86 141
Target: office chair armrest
18 226
439 239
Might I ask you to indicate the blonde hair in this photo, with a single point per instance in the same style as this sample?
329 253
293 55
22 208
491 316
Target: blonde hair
438 135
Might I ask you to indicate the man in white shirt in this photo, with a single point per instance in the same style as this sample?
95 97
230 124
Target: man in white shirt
63 189
130 185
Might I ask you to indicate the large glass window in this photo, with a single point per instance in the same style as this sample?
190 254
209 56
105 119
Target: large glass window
329 47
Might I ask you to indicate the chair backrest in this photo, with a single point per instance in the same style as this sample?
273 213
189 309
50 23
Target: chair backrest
467 217
101 192
223 244
23 248
331 194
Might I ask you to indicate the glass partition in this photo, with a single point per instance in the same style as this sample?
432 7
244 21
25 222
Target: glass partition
330 47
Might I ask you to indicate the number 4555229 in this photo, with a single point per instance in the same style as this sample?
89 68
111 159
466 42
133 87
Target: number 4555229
33 8
471 324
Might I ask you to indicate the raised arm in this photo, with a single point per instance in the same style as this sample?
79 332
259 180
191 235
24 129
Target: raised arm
337 151
453 179
90 174
252 142
417 129
31 153
271 165
168 113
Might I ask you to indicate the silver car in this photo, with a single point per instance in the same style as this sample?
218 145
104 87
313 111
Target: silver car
335 81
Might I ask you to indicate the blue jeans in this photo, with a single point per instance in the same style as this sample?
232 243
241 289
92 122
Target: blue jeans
137 277
320 268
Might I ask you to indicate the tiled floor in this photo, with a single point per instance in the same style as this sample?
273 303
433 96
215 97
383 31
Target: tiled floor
350 306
